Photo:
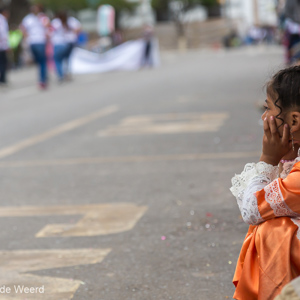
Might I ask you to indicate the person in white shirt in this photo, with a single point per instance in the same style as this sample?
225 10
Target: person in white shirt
59 28
34 27
64 36
72 37
4 15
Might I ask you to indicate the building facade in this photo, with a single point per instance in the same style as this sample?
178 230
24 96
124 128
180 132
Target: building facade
251 13
143 15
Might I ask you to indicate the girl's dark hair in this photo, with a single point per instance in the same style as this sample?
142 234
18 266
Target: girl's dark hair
284 89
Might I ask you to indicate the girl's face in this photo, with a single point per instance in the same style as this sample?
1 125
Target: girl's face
272 110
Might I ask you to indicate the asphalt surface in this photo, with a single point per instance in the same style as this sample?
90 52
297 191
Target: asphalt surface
116 186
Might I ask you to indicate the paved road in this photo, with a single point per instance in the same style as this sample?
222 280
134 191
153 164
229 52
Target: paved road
116 186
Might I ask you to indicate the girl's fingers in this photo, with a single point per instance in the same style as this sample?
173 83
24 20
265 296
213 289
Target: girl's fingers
286 134
273 127
267 128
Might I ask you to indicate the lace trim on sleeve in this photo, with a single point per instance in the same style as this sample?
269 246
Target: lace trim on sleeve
287 167
244 186
249 208
274 197
266 172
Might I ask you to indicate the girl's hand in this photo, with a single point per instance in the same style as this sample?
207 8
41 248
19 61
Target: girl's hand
275 147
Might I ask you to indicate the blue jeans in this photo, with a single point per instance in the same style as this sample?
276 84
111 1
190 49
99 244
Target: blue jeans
70 49
39 55
69 52
3 66
60 54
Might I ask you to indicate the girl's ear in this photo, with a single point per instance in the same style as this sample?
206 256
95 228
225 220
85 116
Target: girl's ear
295 121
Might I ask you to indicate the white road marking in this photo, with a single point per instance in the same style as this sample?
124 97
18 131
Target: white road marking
15 267
4 152
98 219
167 124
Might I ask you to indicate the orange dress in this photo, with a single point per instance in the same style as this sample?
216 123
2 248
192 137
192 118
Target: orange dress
270 255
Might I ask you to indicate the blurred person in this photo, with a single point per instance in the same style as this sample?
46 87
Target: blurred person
117 38
64 37
292 30
268 196
256 35
148 38
73 31
35 29
15 44
4 45
232 39
83 39
59 29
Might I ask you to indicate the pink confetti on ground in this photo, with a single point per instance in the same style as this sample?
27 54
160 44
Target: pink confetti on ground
163 238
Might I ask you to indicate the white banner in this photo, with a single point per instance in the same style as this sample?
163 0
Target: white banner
128 56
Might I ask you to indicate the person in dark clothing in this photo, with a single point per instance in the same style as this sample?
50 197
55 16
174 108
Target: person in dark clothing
292 30
4 15
292 10
148 38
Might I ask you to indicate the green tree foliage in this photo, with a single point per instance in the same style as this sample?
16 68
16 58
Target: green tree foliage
162 9
75 5
209 3
159 4
56 5
18 9
119 5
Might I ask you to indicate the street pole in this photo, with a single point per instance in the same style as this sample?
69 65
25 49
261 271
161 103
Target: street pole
255 8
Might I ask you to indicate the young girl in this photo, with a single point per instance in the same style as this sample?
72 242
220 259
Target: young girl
268 196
